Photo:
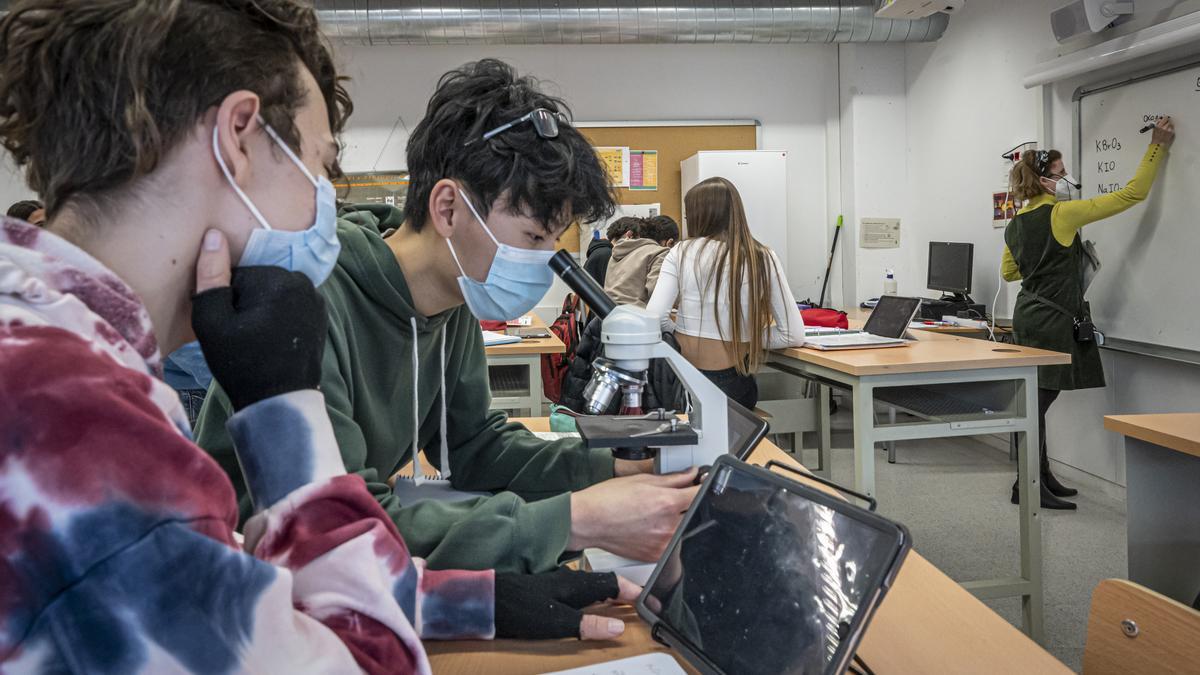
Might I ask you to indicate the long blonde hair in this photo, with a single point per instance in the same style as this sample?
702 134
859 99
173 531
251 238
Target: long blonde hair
714 211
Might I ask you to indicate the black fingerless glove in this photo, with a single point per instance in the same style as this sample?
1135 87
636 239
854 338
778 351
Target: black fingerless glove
546 606
263 335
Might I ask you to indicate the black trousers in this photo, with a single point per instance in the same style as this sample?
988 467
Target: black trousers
1046 398
740 388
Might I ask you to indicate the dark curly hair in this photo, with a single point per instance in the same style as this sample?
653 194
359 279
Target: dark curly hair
95 93
660 228
554 180
620 226
24 208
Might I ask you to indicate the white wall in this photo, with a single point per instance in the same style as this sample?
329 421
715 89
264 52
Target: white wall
12 185
786 88
873 165
965 107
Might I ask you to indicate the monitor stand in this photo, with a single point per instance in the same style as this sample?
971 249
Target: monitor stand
951 304
957 298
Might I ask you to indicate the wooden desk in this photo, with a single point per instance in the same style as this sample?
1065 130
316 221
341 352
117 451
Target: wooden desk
515 371
1162 472
926 624
955 387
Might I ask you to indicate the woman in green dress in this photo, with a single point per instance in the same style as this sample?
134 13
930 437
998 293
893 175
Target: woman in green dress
1043 250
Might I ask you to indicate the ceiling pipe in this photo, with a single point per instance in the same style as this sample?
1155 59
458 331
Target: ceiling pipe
535 22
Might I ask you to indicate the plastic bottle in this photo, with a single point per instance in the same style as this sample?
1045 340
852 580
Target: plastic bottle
889 283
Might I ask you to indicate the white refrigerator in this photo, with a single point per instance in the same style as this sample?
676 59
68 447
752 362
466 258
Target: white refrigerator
760 177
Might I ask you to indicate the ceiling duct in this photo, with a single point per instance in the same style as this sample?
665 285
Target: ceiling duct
534 22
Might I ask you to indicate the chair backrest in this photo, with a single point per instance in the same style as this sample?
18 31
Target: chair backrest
1133 630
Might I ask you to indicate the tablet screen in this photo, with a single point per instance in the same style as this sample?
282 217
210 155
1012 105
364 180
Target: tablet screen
766 580
745 430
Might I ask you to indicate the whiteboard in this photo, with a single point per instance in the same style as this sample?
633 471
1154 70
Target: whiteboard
1147 288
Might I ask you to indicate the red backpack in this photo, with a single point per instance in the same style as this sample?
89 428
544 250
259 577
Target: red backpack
824 318
555 366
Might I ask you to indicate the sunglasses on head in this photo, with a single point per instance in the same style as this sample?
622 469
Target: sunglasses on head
545 123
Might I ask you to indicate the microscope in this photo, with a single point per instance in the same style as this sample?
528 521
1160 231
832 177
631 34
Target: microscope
631 337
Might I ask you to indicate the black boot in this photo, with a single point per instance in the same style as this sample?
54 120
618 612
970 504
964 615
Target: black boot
1050 482
1049 501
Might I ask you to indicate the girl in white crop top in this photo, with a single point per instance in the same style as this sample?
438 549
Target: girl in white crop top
699 310
726 335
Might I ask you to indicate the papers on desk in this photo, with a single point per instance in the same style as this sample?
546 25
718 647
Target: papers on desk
599 560
491 339
657 663
526 320
555 435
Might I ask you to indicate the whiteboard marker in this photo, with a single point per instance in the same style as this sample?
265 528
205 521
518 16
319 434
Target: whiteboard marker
1150 126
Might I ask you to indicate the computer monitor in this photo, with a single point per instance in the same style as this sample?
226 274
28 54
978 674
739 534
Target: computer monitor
950 267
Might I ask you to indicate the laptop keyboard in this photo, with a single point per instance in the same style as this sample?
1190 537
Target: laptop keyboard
850 340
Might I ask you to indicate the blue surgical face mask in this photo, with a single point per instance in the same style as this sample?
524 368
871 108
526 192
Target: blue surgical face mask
517 279
312 251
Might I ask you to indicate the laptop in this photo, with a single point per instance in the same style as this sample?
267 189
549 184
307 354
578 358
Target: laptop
887 327
769 575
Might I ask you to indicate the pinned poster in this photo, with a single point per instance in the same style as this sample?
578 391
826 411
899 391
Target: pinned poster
643 169
1004 208
616 163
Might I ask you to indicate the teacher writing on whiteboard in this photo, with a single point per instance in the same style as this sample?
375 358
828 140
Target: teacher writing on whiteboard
1043 250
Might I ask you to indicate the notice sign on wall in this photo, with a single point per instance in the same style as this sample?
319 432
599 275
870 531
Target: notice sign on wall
1004 208
643 169
616 163
879 233
375 187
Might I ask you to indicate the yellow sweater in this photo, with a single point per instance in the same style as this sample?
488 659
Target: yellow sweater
1067 218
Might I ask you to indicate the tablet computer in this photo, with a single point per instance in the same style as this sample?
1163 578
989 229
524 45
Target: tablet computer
769 575
746 429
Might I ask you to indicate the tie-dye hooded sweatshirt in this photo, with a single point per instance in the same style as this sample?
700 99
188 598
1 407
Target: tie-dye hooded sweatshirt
117 552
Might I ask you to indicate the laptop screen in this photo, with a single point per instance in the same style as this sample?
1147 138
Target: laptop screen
762 579
891 316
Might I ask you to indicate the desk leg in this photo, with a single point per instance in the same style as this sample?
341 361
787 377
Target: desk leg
535 386
824 432
891 445
864 438
1030 519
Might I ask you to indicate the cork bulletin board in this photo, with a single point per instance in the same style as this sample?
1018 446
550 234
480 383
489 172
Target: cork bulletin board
674 142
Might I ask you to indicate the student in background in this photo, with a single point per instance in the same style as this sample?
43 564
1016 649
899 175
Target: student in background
600 250
734 301
188 374
29 210
117 548
1043 250
633 269
405 369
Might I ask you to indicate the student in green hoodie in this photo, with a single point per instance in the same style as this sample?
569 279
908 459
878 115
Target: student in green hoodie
496 174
